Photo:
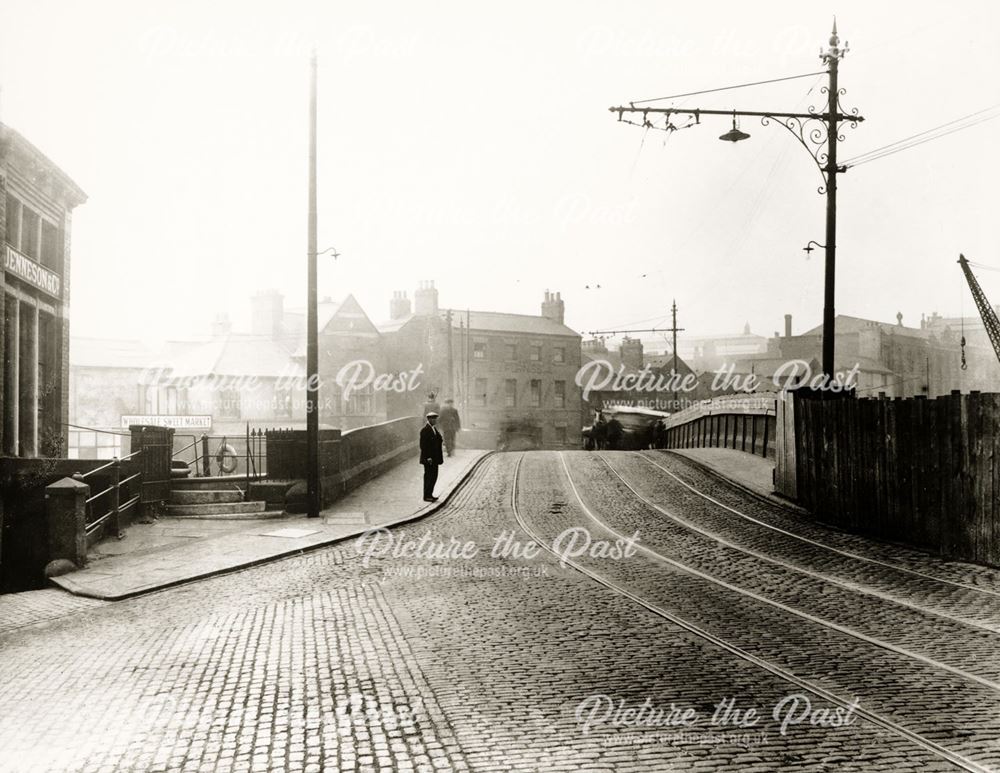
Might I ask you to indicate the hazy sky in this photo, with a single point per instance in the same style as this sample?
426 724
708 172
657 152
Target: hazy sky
471 144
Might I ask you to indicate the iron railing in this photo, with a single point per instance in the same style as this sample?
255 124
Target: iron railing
114 495
225 455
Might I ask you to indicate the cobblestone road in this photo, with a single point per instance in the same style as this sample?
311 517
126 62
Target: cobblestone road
441 646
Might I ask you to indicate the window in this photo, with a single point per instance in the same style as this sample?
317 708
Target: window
479 350
561 435
361 402
559 354
49 427
13 221
10 396
536 393
481 392
559 394
510 351
535 353
510 393
94 445
29 232
282 403
52 247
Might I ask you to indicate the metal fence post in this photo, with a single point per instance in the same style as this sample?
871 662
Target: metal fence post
116 476
206 464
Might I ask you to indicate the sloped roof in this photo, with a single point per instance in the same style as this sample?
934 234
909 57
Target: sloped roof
110 353
392 325
845 324
328 311
236 354
502 322
614 359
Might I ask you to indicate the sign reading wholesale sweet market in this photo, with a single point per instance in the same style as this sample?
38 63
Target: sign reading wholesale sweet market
177 422
31 272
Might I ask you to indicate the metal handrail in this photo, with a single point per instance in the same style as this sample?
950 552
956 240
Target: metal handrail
109 464
94 525
114 489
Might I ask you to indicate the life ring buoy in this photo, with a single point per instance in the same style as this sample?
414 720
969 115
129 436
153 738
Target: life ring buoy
226 458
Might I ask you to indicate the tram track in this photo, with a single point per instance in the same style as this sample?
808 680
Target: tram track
854 587
760 598
787 675
813 542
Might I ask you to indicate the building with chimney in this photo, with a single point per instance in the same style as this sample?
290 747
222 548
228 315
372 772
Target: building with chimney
630 360
511 375
889 358
37 200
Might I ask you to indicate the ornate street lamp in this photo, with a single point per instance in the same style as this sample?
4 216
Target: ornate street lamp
819 134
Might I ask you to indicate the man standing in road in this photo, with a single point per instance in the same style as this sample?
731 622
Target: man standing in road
450 425
430 455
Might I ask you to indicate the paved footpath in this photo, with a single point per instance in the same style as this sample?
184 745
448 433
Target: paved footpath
177 550
752 472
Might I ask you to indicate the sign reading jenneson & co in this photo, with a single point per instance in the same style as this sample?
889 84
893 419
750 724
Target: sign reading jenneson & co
31 272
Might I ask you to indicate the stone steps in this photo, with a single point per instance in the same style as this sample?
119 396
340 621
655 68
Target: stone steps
220 509
199 497
215 483
257 515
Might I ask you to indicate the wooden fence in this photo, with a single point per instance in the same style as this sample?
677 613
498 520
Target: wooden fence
741 422
925 472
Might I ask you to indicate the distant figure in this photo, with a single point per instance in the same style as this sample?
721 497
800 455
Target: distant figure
430 455
450 423
659 434
599 432
431 405
615 432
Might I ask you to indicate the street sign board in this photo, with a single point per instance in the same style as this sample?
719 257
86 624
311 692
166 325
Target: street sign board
177 422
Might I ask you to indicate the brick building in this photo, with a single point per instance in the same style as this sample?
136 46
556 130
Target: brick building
896 359
37 200
508 373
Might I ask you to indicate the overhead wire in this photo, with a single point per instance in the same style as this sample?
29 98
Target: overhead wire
956 125
728 88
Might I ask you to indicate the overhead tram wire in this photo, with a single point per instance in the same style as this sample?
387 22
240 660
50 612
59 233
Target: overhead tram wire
956 125
916 137
728 88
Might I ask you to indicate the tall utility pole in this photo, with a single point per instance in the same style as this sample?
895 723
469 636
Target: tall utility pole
312 339
672 329
451 356
831 57
813 137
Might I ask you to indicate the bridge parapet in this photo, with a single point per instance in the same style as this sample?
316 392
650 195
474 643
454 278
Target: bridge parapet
743 422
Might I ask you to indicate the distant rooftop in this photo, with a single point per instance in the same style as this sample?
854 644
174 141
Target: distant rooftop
845 324
110 352
502 322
